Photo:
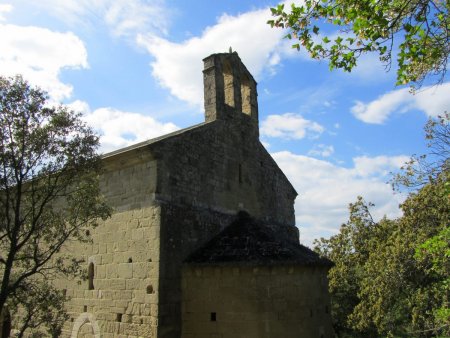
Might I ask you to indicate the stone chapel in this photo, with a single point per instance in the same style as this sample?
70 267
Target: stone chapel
202 242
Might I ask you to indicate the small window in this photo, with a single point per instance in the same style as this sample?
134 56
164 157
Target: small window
85 308
213 317
130 260
150 289
119 317
91 276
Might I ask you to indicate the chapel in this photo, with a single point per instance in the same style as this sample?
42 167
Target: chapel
202 242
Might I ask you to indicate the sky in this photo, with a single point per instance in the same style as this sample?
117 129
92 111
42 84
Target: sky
134 69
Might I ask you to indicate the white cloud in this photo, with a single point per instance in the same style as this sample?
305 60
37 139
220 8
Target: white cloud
123 18
322 150
325 190
370 69
365 166
4 9
433 100
79 106
119 129
39 55
290 126
131 16
178 66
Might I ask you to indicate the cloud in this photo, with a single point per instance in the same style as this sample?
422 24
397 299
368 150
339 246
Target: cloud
432 100
39 55
4 8
365 166
321 150
290 126
371 70
130 16
325 190
119 129
177 65
124 18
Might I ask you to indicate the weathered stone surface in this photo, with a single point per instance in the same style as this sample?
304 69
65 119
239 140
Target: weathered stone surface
254 304
172 195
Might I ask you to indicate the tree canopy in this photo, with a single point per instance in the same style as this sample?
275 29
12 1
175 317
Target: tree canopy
49 194
392 277
389 280
415 31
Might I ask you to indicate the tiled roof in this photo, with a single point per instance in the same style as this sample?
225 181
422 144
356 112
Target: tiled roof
249 242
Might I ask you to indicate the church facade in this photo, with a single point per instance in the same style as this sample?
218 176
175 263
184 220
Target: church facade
202 241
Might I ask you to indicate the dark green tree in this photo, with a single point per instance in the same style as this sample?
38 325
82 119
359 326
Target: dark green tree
414 31
49 194
349 250
391 277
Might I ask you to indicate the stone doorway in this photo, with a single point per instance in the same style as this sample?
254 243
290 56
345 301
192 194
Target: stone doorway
85 327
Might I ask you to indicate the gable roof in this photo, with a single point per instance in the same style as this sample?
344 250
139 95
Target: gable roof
154 140
249 242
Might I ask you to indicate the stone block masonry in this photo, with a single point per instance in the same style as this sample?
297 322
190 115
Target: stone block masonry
172 195
255 302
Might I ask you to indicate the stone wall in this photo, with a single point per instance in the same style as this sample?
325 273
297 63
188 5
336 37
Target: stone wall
183 229
125 253
222 166
171 195
255 302
205 175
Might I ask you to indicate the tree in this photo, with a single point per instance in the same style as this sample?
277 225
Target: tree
426 168
435 254
419 29
398 294
349 251
392 277
49 195
379 285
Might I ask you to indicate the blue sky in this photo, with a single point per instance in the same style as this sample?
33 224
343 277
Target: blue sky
133 68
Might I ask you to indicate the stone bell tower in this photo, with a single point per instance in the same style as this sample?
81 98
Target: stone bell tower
229 88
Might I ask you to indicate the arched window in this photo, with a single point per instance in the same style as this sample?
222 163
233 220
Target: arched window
91 276
246 95
228 84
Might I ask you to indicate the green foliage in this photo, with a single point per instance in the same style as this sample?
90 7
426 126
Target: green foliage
392 278
42 309
348 250
420 28
49 194
434 253
380 285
